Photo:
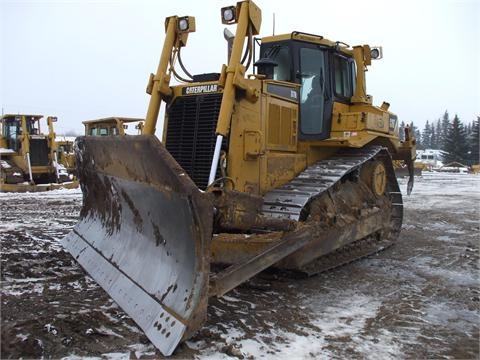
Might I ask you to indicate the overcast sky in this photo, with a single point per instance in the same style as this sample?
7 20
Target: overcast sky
83 59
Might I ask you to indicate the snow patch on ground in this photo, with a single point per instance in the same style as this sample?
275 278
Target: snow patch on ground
446 315
346 319
431 189
454 277
58 193
343 321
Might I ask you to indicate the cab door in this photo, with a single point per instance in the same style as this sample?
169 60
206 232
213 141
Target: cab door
315 98
11 131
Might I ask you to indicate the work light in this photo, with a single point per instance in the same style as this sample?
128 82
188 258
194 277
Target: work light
183 23
228 15
376 53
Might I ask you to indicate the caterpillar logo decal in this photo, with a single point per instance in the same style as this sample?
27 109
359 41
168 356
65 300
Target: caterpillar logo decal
200 89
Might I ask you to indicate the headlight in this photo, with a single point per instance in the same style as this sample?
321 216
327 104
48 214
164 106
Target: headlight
183 24
376 53
228 14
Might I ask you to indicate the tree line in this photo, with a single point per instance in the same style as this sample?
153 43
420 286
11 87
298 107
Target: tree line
459 142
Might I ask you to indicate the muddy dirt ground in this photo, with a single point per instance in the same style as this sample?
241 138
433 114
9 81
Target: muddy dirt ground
417 299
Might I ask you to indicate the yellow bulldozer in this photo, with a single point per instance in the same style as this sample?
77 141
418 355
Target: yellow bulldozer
28 157
66 153
289 167
113 126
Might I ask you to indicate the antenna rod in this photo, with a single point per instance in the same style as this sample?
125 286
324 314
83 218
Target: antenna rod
273 30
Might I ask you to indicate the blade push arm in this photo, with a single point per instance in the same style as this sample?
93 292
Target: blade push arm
248 18
177 30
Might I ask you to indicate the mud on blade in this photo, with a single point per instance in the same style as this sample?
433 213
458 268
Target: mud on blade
144 234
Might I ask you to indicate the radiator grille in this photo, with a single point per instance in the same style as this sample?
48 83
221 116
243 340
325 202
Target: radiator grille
38 152
192 121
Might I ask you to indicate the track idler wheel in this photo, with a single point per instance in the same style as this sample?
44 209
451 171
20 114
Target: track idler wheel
374 174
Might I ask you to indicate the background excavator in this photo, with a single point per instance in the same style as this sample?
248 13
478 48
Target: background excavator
252 172
29 158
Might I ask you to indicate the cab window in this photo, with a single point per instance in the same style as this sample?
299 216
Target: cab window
312 94
11 130
282 57
344 73
31 129
283 70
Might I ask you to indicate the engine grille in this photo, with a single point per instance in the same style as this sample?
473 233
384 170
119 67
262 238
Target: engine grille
39 152
192 121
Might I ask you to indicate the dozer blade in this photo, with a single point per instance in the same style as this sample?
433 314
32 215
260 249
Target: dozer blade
144 234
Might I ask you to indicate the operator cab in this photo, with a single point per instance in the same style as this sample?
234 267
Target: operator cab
12 128
113 126
324 70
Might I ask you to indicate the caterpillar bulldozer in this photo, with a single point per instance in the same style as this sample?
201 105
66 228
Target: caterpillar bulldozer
289 167
28 158
66 153
112 126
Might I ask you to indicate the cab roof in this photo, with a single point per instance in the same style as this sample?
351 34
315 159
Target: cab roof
112 120
8 116
310 38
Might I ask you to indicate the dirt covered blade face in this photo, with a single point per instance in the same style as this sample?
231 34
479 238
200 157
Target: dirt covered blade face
144 234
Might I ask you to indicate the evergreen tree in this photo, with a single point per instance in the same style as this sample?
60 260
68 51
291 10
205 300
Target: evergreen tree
433 138
427 136
444 125
468 129
474 143
417 135
456 146
439 135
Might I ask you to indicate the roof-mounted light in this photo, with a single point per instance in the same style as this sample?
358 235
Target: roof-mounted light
228 15
183 24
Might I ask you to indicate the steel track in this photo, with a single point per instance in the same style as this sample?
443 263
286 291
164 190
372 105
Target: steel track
291 201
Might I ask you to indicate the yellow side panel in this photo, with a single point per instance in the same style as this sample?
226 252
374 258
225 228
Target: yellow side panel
282 125
378 122
279 168
252 144
246 147
359 117
263 145
18 160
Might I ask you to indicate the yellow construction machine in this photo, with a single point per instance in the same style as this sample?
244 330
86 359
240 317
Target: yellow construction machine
288 167
113 126
28 158
66 153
